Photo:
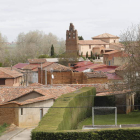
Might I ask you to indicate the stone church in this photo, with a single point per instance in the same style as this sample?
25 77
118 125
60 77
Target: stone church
98 45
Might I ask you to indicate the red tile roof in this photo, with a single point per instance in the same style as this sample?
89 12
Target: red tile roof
5 73
54 66
112 52
105 35
13 68
91 42
20 65
31 66
95 74
11 93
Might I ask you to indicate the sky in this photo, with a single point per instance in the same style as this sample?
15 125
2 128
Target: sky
90 17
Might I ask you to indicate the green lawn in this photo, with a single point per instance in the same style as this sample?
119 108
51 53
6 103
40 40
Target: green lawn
131 118
3 128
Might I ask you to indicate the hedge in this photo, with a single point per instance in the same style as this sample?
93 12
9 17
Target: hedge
63 115
90 135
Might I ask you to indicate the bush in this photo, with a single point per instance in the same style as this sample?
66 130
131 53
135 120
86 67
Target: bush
68 111
89 135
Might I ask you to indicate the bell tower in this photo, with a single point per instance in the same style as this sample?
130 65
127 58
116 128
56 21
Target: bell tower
71 39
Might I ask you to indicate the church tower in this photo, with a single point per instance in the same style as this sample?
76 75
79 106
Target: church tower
71 39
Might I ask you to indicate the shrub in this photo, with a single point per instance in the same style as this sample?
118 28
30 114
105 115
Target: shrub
89 135
68 111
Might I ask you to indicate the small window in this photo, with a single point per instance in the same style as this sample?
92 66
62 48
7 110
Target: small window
74 37
41 113
89 46
21 111
114 41
73 33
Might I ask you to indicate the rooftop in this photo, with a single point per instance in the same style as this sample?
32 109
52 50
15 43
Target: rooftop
6 73
54 66
91 42
20 65
105 35
9 94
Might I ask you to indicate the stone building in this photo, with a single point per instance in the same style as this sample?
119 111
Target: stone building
25 106
98 45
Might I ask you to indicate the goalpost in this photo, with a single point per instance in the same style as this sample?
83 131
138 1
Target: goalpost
104 116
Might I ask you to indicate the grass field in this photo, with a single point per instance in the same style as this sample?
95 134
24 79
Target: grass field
131 118
3 128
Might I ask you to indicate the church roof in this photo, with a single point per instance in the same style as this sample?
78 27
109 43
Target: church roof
90 42
105 35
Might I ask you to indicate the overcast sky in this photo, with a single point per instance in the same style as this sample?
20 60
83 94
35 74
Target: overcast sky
90 17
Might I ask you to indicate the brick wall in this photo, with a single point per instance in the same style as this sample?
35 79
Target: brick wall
9 115
68 78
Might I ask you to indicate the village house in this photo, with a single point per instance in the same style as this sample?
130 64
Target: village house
115 58
98 45
29 104
10 77
32 77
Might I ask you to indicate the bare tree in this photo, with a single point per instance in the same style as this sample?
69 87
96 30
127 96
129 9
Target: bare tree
131 40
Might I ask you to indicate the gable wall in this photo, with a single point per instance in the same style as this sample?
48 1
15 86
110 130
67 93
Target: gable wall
28 96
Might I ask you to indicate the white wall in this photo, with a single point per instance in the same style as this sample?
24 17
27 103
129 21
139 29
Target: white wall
31 116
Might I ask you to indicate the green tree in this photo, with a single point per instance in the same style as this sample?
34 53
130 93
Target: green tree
91 55
69 57
52 51
81 54
87 55
80 38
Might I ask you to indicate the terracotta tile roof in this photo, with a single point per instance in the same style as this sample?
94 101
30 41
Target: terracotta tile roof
31 66
13 68
44 65
36 84
20 65
95 74
8 94
37 61
83 63
91 42
38 99
55 67
111 52
5 73
112 93
119 45
105 35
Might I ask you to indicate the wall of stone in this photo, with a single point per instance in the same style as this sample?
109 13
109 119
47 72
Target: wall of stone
31 113
9 115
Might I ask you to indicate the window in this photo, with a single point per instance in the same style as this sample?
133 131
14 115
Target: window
89 46
21 111
114 41
2 81
41 113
